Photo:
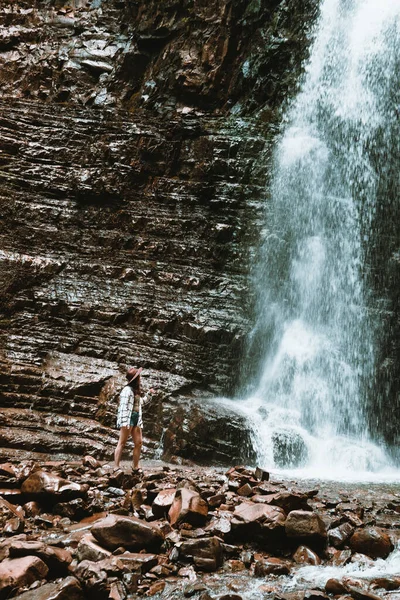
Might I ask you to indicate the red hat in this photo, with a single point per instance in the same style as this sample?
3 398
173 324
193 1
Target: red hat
132 373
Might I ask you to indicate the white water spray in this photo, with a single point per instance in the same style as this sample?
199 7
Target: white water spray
310 405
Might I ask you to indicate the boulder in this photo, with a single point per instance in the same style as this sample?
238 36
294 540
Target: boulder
141 562
206 553
189 507
289 449
338 536
89 549
306 556
307 527
129 532
271 566
287 500
372 541
20 572
49 486
163 502
67 589
56 559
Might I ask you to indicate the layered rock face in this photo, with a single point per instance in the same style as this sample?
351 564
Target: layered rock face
134 148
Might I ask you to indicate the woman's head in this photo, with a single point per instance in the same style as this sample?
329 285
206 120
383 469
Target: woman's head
133 377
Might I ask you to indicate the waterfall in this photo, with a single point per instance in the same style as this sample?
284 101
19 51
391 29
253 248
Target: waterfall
316 317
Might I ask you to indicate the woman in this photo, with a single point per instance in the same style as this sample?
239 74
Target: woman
129 418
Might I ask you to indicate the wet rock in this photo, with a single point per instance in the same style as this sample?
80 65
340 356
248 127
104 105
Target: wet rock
245 490
287 500
335 587
372 541
156 588
142 561
270 566
289 448
340 558
387 582
216 501
189 507
13 526
67 589
260 474
32 508
306 556
91 462
339 535
74 509
206 553
306 526
56 559
163 502
130 532
263 522
315 595
47 485
357 589
89 549
93 578
20 572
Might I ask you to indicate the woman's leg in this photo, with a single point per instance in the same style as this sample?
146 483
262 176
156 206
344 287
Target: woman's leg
123 436
136 433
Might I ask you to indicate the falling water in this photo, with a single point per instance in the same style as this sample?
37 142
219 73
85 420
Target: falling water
310 404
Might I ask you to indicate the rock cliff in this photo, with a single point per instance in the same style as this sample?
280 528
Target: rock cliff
135 141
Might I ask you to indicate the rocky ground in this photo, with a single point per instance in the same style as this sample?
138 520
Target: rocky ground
75 530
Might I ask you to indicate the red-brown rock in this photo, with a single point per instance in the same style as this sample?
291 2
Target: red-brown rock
129 532
44 484
339 535
307 526
189 507
163 502
372 541
271 565
89 549
306 556
67 589
19 572
206 553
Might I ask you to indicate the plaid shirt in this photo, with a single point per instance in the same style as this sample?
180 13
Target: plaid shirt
127 404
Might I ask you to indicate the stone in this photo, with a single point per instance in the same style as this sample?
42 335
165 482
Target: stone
245 490
91 462
20 572
260 474
372 541
130 532
287 500
188 507
163 502
307 526
67 589
265 523
338 536
32 508
315 595
156 588
56 559
89 549
45 484
142 561
206 553
271 566
387 582
216 500
306 556
335 587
